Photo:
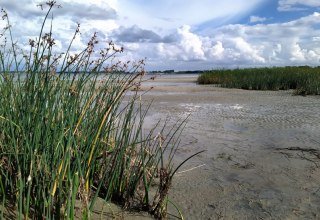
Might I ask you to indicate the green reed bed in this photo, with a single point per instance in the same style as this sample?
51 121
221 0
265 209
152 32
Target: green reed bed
304 80
68 137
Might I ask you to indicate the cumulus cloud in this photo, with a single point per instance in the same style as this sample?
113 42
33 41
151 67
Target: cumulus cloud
255 19
294 5
248 51
190 44
215 50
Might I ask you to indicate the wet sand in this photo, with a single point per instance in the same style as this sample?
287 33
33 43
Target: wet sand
262 150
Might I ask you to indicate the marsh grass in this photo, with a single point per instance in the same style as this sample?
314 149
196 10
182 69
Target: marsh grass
67 137
304 80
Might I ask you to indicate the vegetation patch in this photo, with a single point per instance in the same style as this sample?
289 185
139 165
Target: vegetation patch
303 79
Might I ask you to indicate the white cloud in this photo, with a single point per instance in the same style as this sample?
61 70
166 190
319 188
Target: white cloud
255 19
215 50
293 5
249 52
190 44
297 54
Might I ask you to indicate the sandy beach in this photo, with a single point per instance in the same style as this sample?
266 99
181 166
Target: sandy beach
262 150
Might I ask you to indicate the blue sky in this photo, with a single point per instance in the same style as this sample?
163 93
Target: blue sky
186 34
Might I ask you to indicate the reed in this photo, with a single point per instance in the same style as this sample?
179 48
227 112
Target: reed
303 79
67 136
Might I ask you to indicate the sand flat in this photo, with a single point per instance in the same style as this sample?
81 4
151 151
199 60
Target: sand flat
262 154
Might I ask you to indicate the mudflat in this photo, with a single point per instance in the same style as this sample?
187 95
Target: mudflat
262 150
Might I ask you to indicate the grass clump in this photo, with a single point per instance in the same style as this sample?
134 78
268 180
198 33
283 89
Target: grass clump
304 80
66 136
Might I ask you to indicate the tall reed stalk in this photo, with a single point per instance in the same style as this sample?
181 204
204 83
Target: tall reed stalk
67 136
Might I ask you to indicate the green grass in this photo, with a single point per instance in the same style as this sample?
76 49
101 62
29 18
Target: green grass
304 80
66 136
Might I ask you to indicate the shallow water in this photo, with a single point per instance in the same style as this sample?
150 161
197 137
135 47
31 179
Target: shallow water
257 163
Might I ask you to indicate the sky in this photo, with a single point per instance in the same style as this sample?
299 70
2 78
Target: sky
183 34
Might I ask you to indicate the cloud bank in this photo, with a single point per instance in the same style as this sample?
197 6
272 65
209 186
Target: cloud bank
291 43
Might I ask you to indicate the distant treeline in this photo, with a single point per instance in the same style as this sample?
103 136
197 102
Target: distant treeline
304 80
